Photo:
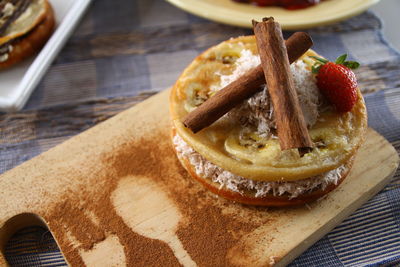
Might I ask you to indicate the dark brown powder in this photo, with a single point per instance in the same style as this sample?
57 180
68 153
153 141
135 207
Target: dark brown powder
206 231
208 236
87 233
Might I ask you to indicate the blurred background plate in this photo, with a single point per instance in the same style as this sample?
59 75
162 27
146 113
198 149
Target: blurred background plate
17 83
238 14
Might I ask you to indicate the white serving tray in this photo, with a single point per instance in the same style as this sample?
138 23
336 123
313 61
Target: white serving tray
17 83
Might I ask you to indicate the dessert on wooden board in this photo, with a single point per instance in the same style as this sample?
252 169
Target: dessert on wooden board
25 26
284 145
117 194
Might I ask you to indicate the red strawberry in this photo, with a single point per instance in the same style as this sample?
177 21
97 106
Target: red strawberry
337 82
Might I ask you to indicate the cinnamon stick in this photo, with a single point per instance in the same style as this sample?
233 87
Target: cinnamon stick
291 126
244 87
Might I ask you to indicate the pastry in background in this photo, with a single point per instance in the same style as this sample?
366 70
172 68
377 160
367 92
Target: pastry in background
25 26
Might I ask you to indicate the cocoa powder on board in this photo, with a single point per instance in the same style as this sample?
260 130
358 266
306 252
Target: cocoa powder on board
206 231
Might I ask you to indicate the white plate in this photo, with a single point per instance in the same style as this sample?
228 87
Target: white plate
239 14
17 83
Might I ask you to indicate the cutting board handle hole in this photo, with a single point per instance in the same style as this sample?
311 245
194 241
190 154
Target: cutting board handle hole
24 227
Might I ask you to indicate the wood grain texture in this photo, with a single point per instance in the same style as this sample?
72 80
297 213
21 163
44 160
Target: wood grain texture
64 120
171 38
97 200
377 76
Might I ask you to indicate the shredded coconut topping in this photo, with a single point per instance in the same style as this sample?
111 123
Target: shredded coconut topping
245 62
4 52
3 57
8 9
236 183
258 110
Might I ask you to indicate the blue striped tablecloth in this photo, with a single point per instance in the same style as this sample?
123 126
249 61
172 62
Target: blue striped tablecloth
123 51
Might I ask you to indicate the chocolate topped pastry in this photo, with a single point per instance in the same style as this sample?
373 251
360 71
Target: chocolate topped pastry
25 26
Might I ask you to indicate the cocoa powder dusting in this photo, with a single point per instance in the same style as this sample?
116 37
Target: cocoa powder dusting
87 234
208 236
206 232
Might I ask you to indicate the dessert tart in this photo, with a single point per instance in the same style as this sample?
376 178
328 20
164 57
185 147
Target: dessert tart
239 156
25 26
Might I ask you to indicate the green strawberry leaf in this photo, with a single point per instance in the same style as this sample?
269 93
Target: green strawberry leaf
322 60
315 68
352 64
341 59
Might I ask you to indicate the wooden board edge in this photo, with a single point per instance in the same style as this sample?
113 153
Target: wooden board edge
346 212
13 225
320 233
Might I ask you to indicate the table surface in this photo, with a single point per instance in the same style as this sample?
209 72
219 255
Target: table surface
124 51
388 11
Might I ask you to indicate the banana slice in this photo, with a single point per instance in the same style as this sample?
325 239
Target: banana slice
251 147
229 53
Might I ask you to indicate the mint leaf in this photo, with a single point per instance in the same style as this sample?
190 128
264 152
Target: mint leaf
341 59
352 64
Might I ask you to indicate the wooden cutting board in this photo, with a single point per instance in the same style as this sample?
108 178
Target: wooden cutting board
116 195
